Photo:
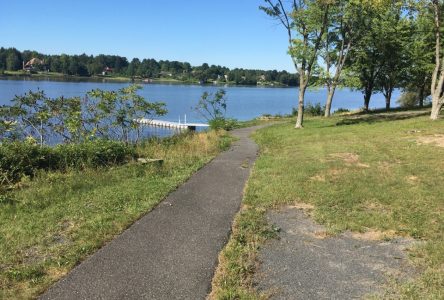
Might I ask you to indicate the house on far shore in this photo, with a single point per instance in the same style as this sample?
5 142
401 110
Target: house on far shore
106 71
32 64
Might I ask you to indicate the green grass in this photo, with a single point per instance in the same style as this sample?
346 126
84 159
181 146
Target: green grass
371 175
51 223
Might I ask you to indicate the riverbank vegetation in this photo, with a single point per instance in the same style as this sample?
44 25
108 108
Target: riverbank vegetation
99 115
112 67
367 173
75 172
50 220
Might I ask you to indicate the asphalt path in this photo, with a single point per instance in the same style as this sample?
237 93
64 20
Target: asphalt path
171 252
302 264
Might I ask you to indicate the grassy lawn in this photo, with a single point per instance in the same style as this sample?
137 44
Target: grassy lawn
373 173
51 223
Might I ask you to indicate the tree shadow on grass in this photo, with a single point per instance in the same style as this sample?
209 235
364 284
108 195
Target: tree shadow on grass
380 117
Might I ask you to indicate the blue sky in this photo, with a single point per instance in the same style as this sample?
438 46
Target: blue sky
232 33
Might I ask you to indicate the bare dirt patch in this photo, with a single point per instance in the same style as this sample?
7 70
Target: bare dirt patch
348 158
373 235
301 206
376 208
335 172
329 175
437 140
318 177
322 234
307 262
413 179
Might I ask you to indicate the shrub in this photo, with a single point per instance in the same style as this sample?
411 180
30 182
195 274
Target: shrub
341 110
223 123
22 159
19 159
408 99
314 109
93 154
213 108
311 109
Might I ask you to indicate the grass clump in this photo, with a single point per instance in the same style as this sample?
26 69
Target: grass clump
366 176
52 222
19 159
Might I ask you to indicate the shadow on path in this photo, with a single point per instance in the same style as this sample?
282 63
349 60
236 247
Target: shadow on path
381 117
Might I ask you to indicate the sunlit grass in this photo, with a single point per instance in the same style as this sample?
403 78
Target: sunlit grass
372 175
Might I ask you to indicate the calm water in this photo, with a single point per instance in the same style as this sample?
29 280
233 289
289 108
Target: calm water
244 103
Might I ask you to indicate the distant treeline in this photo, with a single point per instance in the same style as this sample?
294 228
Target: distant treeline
88 65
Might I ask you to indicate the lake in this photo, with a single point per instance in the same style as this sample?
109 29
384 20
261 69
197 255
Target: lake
243 103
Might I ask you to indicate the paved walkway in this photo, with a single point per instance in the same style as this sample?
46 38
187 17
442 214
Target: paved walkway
171 253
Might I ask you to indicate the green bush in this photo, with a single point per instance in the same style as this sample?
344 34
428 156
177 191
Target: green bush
19 159
22 159
314 109
311 110
408 99
223 123
93 154
341 110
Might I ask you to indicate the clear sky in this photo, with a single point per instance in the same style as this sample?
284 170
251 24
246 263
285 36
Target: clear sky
232 33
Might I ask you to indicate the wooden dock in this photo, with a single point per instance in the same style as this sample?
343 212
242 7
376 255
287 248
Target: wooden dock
172 125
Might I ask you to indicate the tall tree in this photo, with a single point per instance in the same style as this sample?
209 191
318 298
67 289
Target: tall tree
342 32
437 87
393 37
366 59
419 52
305 22
13 60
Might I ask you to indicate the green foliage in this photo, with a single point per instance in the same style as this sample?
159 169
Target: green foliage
223 123
93 154
20 159
315 109
409 99
305 22
341 110
213 108
310 109
102 114
89 65
114 114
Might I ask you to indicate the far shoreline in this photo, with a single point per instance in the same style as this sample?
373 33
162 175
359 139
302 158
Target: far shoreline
57 77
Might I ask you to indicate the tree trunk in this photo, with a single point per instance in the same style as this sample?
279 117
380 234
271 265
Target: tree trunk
330 95
438 73
388 98
367 97
421 96
41 134
300 118
436 109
